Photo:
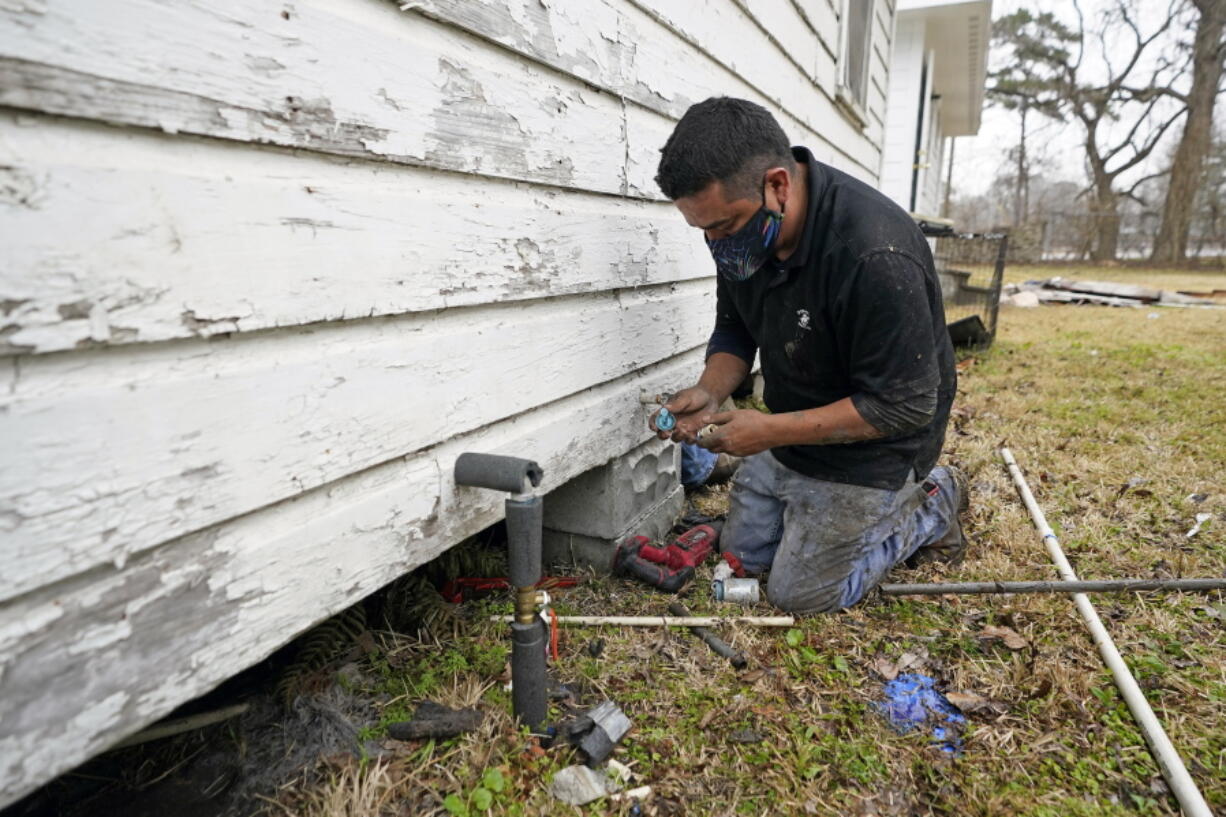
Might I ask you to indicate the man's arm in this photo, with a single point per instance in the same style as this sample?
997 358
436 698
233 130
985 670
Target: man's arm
746 431
838 422
723 373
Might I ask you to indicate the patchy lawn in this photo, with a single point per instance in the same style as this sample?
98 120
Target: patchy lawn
1116 416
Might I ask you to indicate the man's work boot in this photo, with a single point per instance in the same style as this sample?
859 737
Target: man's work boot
950 549
725 467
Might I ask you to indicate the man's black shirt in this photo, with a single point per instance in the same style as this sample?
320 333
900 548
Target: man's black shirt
854 312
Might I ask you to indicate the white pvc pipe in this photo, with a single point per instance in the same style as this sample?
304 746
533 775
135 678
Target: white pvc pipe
669 621
1176 774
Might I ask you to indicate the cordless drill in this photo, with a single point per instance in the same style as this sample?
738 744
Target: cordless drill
667 568
690 549
627 561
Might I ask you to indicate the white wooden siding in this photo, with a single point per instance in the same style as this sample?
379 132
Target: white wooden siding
225 597
267 269
167 230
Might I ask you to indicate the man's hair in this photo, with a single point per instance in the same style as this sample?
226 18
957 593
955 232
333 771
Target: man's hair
722 139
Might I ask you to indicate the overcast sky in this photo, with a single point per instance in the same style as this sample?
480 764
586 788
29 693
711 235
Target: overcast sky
1057 145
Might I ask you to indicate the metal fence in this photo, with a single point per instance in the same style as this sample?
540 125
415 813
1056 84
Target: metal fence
970 267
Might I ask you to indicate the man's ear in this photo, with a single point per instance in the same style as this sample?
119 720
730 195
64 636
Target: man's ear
779 182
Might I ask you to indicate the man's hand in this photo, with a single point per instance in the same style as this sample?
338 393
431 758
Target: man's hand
690 406
740 433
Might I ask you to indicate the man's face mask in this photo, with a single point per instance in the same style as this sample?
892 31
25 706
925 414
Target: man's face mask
744 252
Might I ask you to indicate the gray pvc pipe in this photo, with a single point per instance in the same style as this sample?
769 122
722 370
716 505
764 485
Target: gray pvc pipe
528 682
498 473
524 540
1169 762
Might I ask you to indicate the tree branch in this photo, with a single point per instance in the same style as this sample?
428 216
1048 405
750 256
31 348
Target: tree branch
1142 43
1140 94
1081 45
1136 126
1150 144
1132 190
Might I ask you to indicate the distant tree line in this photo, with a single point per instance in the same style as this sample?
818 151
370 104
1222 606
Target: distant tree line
1141 98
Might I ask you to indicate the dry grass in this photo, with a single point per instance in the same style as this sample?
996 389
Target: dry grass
1090 400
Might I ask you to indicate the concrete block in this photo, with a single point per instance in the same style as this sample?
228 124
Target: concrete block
595 552
638 492
602 502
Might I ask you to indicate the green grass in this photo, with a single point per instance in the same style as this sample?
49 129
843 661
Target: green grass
1116 418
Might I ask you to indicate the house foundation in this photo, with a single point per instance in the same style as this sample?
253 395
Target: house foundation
636 493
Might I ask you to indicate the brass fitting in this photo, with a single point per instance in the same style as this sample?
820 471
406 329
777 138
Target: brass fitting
525 604
528 600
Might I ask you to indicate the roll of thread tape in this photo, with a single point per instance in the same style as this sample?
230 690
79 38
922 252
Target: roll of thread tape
665 421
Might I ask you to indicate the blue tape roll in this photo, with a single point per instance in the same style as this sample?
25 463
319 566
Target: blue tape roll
665 421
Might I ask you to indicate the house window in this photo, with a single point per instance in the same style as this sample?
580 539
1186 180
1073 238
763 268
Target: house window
857 47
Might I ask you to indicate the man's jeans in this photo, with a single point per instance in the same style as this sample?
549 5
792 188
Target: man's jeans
697 463
826 544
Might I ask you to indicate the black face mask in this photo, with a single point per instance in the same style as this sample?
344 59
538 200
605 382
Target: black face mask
743 253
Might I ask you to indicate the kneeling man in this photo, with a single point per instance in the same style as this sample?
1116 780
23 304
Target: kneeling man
833 285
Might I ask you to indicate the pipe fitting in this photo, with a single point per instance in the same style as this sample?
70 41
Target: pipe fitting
525 605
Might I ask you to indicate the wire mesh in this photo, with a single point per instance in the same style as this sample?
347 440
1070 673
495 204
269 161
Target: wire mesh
970 267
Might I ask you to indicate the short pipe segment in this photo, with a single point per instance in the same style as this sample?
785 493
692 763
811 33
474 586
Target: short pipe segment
528 683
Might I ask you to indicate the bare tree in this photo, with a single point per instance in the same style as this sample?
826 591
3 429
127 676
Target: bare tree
1209 210
1124 117
1208 53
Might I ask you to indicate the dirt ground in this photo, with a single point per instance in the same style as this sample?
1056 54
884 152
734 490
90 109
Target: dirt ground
1117 418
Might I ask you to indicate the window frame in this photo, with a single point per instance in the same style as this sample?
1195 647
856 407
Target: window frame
854 109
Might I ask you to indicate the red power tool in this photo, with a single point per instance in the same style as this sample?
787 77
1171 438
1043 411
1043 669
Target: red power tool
690 549
628 562
667 568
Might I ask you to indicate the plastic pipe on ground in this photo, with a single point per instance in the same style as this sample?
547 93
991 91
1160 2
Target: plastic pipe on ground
1182 786
669 621
1093 586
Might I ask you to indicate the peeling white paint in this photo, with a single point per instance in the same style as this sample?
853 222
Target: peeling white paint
23 760
308 417
174 238
98 636
34 618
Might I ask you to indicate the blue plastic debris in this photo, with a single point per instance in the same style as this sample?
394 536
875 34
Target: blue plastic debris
912 701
